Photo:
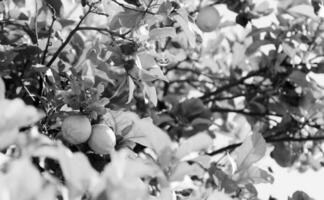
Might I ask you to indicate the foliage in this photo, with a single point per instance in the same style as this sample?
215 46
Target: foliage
166 92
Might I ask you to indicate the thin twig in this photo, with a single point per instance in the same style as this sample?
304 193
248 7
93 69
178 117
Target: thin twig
103 30
206 97
268 140
48 38
69 37
130 8
243 111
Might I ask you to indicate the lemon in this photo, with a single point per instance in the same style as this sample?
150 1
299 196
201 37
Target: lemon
102 139
76 129
208 19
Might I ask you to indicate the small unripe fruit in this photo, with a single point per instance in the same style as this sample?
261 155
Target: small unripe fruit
102 139
76 129
208 19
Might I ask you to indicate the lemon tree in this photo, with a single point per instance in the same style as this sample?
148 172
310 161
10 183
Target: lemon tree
158 99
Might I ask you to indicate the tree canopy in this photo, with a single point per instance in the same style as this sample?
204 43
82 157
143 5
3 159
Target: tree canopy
158 99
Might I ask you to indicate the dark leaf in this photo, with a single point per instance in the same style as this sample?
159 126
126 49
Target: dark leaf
56 5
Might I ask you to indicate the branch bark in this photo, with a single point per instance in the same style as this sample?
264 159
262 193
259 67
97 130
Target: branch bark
69 37
268 140
206 96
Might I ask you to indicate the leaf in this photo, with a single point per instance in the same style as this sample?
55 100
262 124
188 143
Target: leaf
2 89
18 178
88 73
256 45
184 23
254 175
162 33
238 53
184 169
56 5
289 50
131 89
123 176
19 3
127 19
300 195
150 92
215 195
16 114
103 76
149 70
195 143
79 175
223 180
40 68
303 9
142 131
318 78
147 134
283 154
299 78
152 75
251 151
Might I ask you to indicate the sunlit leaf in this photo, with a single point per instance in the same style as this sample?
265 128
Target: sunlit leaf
256 45
127 19
123 174
184 169
131 88
141 131
219 195
77 171
17 177
162 33
318 78
195 143
14 115
251 151
184 23
150 92
254 175
303 9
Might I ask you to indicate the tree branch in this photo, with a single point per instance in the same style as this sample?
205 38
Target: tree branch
103 30
242 111
48 38
133 9
268 140
206 96
69 37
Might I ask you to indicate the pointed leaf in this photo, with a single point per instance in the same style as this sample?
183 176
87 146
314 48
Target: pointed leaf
184 23
251 151
303 9
254 175
131 88
78 173
219 195
141 131
195 143
150 92
183 169
162 33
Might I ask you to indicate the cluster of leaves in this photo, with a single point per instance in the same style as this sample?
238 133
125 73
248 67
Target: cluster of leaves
169 91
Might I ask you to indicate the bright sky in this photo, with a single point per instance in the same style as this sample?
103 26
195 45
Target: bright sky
287 181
